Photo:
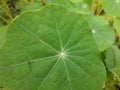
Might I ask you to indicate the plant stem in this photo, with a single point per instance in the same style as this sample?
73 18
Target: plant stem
98 8
4 19
6 9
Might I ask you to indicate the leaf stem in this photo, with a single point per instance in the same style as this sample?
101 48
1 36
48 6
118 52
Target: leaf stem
6 9
4 19
98 9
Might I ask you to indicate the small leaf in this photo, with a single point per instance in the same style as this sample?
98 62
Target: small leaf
113 61
103 33
51 49
76 1
117 26
81 6
32 5
111 7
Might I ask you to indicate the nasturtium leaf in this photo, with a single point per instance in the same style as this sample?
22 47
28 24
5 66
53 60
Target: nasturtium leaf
102 32
81 6
51 49
113 60
117 26
111 7
3 30
76 1
32 5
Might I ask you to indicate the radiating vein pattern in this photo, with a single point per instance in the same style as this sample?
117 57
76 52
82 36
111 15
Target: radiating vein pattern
27 62
24 28
50 49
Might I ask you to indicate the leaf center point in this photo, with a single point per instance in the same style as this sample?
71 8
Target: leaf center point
62 54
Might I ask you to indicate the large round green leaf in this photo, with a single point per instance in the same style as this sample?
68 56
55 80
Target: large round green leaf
111 7
50 49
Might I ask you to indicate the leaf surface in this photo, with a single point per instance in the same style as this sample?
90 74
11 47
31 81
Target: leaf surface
113 61
117 26
102 32
3 31
28 6
51 49
80 6
111 7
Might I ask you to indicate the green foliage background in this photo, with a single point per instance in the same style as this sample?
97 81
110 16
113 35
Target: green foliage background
102 27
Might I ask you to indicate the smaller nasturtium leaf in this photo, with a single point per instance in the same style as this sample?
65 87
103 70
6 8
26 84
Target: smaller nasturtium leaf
102 32
3 31
111 7
81 6
51 49
76 1
112 60
31 5
117 26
